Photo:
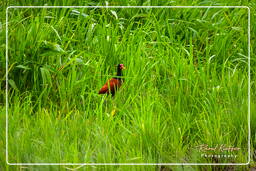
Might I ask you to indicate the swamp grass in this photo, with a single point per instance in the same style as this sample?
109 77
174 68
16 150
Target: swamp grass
185 85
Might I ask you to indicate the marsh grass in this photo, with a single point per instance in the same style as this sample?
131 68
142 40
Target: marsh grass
186 85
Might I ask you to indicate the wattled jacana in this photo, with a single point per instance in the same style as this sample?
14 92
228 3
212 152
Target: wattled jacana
114 83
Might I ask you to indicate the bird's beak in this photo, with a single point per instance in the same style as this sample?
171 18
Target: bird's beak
123 68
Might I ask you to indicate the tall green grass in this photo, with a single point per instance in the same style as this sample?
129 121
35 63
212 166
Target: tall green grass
186 85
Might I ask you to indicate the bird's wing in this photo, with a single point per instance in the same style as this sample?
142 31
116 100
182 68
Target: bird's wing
110 84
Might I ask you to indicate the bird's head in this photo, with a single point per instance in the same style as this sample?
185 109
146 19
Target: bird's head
120 66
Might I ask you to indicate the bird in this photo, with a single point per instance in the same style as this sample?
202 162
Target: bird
114 83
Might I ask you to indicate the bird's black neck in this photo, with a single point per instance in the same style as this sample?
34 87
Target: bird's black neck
119 74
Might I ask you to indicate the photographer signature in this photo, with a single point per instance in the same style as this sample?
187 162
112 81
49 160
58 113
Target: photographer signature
220 148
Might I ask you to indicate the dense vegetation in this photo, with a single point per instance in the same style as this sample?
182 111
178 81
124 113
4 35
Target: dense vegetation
186 84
